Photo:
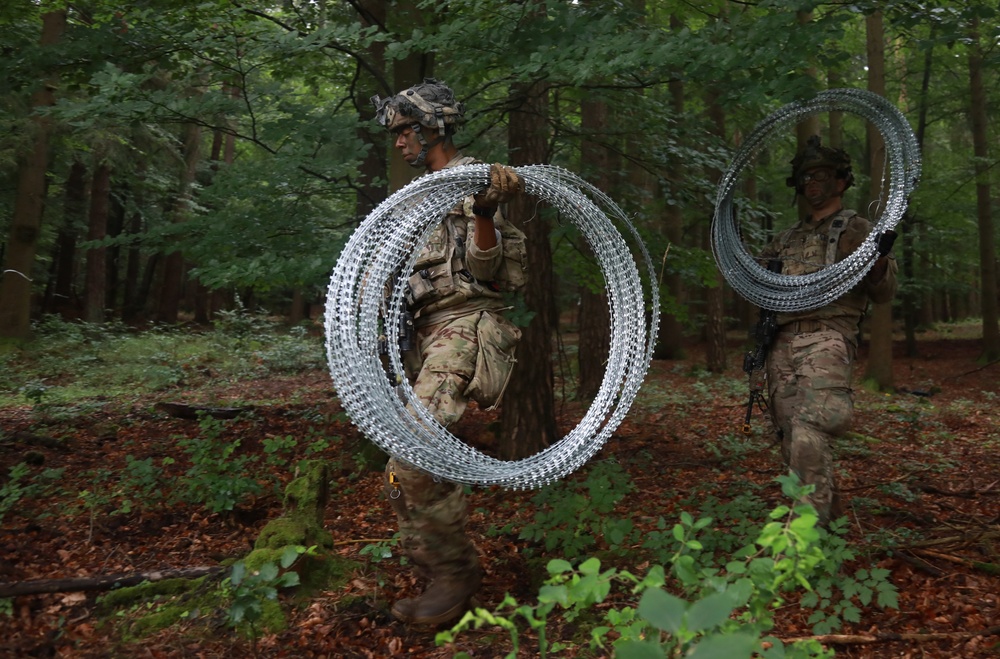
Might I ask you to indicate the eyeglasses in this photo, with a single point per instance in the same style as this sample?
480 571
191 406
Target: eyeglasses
819 175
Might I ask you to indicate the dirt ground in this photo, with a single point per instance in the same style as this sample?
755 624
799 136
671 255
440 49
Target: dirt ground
931 475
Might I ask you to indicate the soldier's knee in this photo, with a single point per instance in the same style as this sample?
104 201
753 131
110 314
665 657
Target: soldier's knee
830 411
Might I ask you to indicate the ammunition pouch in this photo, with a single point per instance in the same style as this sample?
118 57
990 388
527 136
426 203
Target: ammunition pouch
498 339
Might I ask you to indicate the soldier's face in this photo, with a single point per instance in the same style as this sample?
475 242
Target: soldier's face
407 143
820 184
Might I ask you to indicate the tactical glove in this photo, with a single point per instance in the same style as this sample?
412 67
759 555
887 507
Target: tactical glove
504 184
885 241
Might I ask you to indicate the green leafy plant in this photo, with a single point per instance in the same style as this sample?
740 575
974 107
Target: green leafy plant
35 392
218 477
571 515
252 591
19 486
703 607
13 489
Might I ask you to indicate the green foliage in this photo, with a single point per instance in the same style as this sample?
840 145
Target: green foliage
68 363
571 514
380 551
18 487
711 602
250 590
219 477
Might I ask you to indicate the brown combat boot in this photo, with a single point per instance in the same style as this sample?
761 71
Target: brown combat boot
445 599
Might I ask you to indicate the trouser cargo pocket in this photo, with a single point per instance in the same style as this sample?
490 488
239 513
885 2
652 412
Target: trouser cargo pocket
498 338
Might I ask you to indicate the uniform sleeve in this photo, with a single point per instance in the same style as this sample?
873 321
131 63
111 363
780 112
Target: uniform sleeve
482 264
854 234
883 290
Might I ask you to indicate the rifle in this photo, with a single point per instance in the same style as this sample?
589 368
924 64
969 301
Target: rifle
406 335
753 361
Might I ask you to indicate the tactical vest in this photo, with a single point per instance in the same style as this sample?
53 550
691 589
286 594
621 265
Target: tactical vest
814 251
804 252
441 278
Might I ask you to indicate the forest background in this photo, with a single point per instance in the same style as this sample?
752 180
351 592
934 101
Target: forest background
165 162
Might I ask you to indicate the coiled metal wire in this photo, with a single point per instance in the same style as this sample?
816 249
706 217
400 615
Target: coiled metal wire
795 293
387 244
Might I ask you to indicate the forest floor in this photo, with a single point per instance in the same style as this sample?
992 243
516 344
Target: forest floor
920 483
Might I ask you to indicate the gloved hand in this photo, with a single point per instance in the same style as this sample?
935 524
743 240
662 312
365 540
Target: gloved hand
885 241
504 184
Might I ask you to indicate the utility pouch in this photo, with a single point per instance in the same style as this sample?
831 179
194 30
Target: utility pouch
429 284
513 272
498 338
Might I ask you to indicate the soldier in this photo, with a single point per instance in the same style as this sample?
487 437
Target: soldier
463 346
809 366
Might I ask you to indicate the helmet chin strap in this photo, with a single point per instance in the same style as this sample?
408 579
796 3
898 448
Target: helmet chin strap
422 156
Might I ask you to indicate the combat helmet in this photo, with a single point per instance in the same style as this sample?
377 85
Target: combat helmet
816 155
428 105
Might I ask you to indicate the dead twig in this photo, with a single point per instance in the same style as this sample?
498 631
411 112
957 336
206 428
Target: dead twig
989 568
339 543
886 637
966 494
955 539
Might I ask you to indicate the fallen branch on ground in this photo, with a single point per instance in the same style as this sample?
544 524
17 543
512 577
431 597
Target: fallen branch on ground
103 582
989 568
886 637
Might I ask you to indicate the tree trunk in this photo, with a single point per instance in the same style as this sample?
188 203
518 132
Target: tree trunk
715 296
911 226
670 335
173 265
25 226
810 125
528 422
407 72
95 300
64 298
879 369
595 315
372 188
133 269
987 247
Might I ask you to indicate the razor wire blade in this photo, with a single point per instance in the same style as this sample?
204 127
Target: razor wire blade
797 293
388 243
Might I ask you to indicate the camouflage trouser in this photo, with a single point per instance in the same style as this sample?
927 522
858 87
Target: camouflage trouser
432 512
809 382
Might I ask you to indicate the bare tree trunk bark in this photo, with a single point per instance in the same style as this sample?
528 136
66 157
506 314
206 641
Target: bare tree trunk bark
73 218
25 226
911 227
96 280
173 265
987 245
810 125
879 369
670 336
405 73
595 316
715 296
372 187
527 419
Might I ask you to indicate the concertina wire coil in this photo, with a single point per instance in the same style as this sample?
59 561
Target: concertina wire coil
387 243
796 293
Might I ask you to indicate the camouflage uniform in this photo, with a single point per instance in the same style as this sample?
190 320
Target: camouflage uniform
810 363
450 290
